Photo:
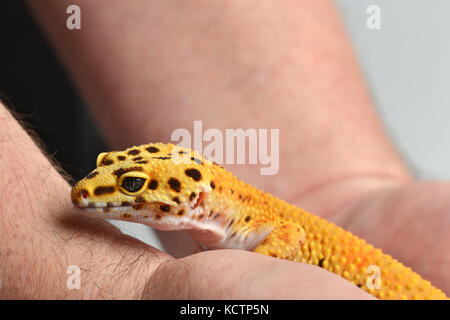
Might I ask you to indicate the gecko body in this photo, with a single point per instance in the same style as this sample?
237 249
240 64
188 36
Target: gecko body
172 188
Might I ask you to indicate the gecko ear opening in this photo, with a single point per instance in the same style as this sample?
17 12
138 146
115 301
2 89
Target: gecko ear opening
100 157
199 200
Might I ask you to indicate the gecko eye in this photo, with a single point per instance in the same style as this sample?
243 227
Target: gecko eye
132 184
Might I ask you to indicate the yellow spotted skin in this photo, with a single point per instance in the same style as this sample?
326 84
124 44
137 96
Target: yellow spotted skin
151 184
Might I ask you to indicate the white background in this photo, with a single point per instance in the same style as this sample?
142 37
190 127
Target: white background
407 67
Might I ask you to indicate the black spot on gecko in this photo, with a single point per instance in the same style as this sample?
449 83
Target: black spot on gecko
143 161
232 191
165 208
106 162
216 215
139 199
231 222
121 171
234 233
152 149
134 152
321 262
192 196
181 212
153 184
158 217
194 174
175 184
104 190
138 206
182 152
212 185
175 199
121 158
162 158
137 158
359 285
247 218
92 175
126 204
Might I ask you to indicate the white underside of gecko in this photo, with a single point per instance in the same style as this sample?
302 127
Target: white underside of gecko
208 231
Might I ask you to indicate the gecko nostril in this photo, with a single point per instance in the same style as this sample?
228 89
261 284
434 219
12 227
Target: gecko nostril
84 194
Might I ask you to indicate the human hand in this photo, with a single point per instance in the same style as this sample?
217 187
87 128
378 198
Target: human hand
42 234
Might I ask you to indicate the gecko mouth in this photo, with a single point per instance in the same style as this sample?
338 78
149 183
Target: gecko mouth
111 207
116 206
86 204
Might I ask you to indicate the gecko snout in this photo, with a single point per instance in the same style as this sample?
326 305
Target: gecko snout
79 196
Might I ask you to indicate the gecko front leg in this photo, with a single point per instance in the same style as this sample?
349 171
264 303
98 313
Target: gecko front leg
284 241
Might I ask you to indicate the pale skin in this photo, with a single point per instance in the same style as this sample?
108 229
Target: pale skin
231 64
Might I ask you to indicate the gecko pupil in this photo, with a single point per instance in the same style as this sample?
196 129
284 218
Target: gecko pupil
132 184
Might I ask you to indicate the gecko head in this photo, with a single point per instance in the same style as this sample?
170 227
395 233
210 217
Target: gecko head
156 184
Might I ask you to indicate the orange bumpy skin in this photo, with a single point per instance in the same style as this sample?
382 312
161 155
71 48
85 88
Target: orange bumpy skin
171 188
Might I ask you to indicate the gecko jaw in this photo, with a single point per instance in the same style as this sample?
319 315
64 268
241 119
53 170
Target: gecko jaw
103 205
149 217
